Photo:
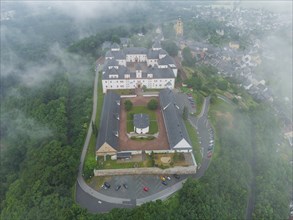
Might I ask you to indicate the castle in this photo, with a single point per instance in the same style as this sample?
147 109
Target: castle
136 67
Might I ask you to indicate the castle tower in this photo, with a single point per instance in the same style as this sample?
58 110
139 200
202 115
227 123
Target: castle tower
179 27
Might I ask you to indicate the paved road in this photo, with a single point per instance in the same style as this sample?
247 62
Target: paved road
82 188
202 127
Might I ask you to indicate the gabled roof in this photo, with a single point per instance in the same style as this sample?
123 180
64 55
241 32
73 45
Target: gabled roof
138 67
153 54
166 60
109 54
109 125
115 46
135 50
112 62
124 40
175 127
141 121
106 45
163 52
113 71
118 55
157 44
161 73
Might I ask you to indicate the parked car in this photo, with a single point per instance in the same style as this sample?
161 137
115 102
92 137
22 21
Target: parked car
164 183
168 178
210 147
106 185
162 178
146 189
176 176
118 187
125 186
210 154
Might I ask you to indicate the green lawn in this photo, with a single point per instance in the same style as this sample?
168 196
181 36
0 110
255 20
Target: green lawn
221 107
188 71
114 164
194 141
199 99
130 127
153 127
143 110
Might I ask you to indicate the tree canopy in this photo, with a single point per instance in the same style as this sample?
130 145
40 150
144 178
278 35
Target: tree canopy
153 104
128 105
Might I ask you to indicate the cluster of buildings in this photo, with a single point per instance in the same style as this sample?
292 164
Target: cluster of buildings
136 67
108 138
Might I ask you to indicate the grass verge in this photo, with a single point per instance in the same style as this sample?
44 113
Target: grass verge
90 154
194 141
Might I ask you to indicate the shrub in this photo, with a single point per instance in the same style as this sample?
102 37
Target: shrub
128 105
153 104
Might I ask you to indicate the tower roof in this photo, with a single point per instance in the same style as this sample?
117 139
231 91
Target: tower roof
157 45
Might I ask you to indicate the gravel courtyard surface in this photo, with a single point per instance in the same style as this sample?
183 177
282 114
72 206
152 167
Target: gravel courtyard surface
159 143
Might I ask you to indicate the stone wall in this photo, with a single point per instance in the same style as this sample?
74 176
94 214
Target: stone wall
146 170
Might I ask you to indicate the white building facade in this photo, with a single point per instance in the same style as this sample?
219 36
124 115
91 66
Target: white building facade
132 68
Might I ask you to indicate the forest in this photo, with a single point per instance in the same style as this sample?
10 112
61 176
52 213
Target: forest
46 102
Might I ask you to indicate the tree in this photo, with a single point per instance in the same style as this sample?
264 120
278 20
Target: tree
153 104
187 56
235 100
213 98
222 84
94 128
115 39
128 105
170 47
185 113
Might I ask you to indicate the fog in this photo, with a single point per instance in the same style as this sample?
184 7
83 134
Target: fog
35 42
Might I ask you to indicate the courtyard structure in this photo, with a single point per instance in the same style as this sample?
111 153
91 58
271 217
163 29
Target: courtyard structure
141 123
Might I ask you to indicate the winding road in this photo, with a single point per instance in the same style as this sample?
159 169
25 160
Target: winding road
94 201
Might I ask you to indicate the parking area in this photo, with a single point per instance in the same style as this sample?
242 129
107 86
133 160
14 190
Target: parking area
136 184
187 100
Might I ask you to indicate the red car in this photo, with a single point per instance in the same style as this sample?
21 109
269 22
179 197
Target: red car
210 154
146 189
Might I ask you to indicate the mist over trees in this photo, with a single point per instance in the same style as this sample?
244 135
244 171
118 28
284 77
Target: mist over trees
48 54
